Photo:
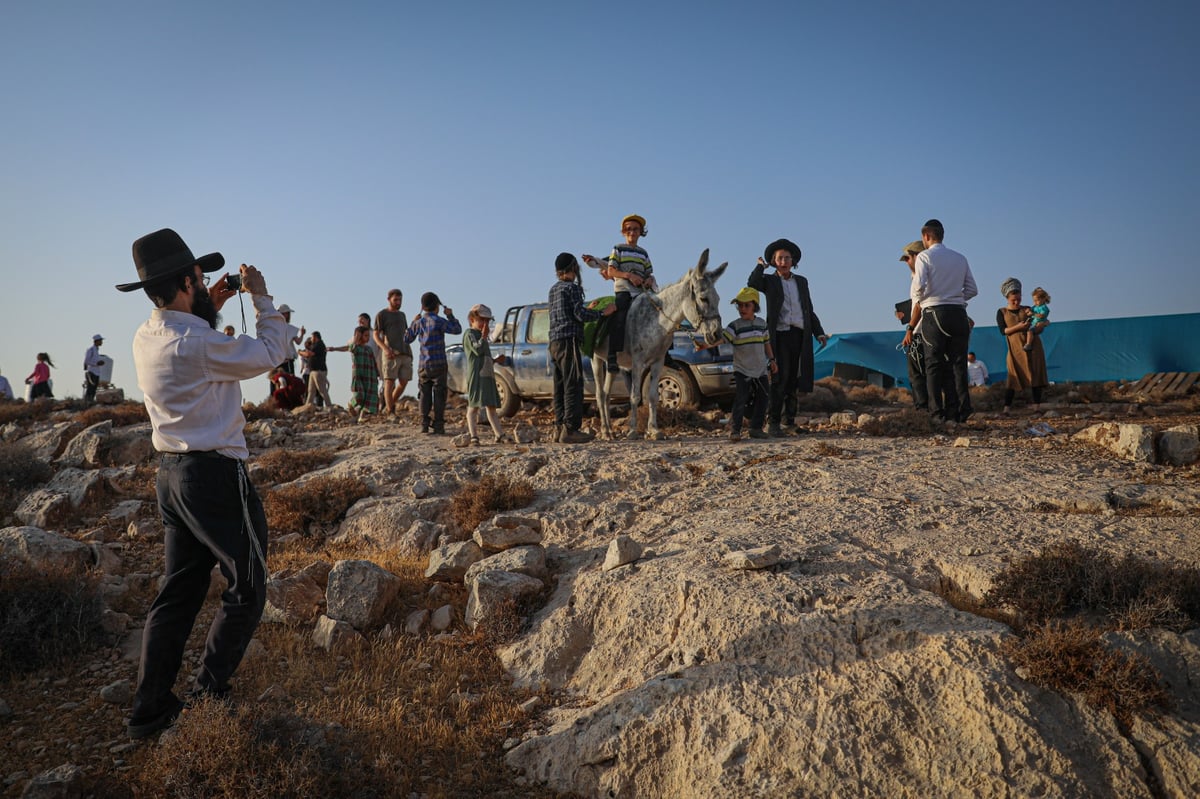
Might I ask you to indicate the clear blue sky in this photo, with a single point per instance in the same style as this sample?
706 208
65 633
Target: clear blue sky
346 148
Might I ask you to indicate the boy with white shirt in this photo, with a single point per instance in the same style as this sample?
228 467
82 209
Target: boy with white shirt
190 374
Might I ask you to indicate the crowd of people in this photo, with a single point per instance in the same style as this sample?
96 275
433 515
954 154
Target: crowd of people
773 357
941 368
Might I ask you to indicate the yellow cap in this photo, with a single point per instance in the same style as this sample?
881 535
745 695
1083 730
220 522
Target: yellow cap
745 295
635 218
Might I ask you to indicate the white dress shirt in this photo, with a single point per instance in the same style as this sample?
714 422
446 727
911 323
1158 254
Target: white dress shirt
190 375
92 361
977 373
942 277
791 314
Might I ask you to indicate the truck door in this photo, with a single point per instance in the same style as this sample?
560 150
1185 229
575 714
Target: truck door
532 364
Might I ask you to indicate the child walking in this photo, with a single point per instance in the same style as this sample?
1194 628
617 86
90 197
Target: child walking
1039 316
631 272
481 374
752 360
364 375
567 315
431 329
39 378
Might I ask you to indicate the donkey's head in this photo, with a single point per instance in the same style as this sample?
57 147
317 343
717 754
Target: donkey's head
702 307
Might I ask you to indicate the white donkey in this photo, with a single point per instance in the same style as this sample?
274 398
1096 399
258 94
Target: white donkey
649 330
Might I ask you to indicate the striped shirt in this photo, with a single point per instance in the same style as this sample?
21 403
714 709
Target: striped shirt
634 260
749 338
432 330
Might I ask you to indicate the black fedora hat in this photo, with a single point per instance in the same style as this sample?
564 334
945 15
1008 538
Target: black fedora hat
163 254
781 244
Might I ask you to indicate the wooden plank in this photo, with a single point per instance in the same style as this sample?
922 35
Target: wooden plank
1171 380
1145 381
1165 379
1189 380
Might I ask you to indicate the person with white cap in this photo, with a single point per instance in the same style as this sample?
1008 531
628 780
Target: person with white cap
481 374
190 374
295 335
92 361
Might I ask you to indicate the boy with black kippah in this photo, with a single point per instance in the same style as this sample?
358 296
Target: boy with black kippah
567 315
431 329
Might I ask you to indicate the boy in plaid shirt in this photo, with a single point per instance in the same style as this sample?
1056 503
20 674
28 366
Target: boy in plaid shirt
431 329
567 315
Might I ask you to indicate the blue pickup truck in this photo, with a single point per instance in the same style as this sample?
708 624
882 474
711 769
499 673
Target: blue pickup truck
527 373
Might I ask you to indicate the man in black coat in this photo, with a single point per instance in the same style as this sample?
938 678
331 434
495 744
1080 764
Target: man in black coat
793 324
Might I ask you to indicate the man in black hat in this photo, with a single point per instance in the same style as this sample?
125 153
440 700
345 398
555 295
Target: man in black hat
793 324
942 285
190 375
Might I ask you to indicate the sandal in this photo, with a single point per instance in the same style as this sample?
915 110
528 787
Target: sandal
474 441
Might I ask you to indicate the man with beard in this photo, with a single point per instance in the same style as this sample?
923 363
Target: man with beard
190 375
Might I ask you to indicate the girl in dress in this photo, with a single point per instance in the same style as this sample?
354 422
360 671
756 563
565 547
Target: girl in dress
481 374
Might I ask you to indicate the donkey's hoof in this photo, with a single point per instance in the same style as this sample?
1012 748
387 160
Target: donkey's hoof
656 435
634 435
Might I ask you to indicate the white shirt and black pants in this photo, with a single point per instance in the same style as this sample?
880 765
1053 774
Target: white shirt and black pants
92 362
189 374
942 284
792 323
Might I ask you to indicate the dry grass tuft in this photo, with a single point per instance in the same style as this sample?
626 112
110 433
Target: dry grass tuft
860 392
477 502
285 465
122 415
21 412
1128 593
824 449
392 719
265 410
20 470
902 424
314 507
1072 659
46 616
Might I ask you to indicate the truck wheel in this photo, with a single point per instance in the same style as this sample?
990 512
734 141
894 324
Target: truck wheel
675 389
510 401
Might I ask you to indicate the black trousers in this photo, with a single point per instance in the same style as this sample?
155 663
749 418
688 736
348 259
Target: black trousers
616 324
91 382
787 348
432 388
750 391
916 373
568 382
200 498
947 335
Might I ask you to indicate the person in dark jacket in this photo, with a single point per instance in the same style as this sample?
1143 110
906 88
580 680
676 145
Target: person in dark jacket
793 324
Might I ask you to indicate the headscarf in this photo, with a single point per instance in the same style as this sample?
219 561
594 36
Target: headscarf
1009 286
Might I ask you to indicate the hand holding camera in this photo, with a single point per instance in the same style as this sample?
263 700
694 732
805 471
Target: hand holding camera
252 281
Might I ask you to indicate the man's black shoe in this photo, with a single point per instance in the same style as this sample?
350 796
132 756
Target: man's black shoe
144 728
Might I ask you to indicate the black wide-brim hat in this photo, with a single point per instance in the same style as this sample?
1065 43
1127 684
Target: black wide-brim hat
781 244
163 254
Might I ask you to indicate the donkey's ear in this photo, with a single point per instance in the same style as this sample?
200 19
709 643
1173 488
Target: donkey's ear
703 264
720 270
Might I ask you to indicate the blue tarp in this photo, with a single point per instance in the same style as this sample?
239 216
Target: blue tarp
1091 350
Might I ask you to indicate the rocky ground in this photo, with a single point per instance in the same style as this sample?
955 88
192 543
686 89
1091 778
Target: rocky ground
832 669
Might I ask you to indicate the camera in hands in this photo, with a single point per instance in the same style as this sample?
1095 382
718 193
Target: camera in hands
233 282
